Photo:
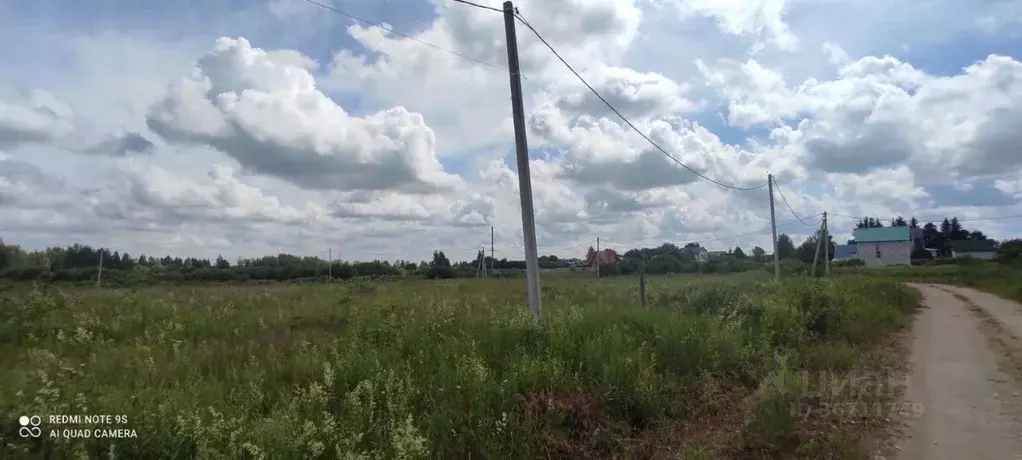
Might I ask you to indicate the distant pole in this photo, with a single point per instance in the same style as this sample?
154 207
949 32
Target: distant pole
330 264
493 259
99 274
826 245
773 228
597 257
522 150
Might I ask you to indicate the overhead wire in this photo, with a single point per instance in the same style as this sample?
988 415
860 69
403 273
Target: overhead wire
415 39
783 198
618 113
887 219
480 6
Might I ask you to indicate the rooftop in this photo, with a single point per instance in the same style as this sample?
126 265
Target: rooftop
973 246
881 234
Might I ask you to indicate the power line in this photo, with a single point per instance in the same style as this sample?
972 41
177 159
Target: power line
978 219
623 118
778 186
480 6
391 30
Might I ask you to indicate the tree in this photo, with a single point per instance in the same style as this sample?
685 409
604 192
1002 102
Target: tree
1010 251
758 253
899 222
807 250
785 248
977 235
945 227
738 253
958 232
440 260
913 223
222 263
869 222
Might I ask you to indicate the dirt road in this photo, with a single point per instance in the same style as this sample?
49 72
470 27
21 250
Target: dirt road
967 374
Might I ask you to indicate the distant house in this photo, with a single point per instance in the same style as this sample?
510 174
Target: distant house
845 252
883 246
699 253
605 257
976 249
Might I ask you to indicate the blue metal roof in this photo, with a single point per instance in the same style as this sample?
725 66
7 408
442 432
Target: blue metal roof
845 251
881 234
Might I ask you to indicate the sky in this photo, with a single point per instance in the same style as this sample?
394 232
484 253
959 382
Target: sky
244 128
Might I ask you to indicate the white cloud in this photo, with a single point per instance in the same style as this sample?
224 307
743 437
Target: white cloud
345 137
264 110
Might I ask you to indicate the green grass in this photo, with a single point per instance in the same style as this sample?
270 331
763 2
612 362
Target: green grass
439 369
1001 279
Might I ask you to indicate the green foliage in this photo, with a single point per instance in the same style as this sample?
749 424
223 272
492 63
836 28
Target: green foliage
1010 252
420 370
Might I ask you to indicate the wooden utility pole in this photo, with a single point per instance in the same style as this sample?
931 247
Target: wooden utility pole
773 228
816 255
522 151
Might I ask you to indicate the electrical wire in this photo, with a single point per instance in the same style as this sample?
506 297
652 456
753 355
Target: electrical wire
480 6
978 219
391 30
778 187
618 113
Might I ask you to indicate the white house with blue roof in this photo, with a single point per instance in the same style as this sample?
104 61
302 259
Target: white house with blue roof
884 245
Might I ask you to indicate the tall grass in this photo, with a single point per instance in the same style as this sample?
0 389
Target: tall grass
427 369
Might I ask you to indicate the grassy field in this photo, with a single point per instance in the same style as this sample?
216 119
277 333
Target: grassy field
1002 279
454 369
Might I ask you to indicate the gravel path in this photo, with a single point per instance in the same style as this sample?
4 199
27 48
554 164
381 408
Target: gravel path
966 374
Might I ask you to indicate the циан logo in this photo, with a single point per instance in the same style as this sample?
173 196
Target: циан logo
30 426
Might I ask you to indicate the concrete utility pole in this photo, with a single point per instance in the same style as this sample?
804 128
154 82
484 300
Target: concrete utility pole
493 259
524 177
773 228
99 274
816 255
826 245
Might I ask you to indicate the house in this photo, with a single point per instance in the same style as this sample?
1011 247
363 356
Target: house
605 257
699 253
844 252
883 246
976 249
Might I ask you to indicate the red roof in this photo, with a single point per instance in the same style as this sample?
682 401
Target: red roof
606 256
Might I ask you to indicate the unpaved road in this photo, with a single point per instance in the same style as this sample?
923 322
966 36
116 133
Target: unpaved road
965 371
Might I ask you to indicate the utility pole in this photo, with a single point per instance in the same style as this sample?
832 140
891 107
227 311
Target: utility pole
522 150
597 257
99 274
773 228
816 255
826 245
493 259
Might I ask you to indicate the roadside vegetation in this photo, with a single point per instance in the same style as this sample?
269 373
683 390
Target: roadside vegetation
449 369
